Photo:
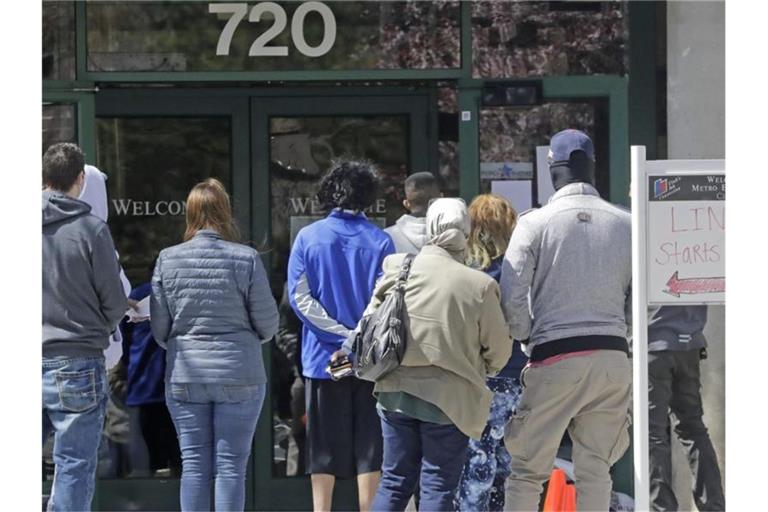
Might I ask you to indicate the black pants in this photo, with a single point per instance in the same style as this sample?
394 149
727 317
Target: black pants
674 385
160 436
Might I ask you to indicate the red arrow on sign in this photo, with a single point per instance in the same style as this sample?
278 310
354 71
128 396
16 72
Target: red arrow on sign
676 286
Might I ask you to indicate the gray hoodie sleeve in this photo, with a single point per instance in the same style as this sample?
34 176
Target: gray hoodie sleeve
159 314
262 308
106 278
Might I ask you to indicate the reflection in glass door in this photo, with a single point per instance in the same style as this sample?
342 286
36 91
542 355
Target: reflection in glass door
509 137
151 164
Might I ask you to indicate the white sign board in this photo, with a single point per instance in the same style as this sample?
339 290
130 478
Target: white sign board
685 234
678 257
517 192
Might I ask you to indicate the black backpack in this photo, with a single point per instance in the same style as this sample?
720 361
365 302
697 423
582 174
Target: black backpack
379 344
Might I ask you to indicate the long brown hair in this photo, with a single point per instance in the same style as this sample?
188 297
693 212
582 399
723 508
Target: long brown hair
493 220
208 207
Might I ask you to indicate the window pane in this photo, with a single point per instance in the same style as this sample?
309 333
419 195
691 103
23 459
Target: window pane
59 124
183 36
58 40
509 137
448 140
525 39
152 164
301 150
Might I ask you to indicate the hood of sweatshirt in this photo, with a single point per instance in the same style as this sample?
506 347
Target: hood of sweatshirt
413 228
58 207
94 192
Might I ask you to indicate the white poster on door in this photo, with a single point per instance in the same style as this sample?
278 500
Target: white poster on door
517 192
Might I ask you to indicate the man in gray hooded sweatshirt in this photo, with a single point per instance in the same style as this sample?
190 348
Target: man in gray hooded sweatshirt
83 301
409 233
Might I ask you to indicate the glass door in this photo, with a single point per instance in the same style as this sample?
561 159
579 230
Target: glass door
295 140
154 146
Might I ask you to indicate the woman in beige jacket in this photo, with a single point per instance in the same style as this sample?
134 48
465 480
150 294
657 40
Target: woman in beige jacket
437 398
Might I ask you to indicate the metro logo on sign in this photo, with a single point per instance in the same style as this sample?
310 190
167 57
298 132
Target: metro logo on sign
660 187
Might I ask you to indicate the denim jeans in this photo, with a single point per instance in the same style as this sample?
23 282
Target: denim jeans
411 448
488 462
215 424
74 402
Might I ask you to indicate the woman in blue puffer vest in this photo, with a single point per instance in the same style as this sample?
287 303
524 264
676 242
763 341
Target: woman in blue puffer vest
212 308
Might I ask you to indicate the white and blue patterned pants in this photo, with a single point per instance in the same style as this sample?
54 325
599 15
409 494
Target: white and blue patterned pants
488 463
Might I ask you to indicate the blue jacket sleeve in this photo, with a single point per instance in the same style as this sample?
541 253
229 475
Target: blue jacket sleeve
307 307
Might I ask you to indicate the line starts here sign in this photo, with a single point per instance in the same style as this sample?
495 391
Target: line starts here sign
686 238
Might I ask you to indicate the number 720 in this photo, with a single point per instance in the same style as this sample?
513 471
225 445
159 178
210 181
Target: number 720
259 47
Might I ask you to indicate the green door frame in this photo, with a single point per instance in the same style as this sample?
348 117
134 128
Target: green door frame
613 88
294 493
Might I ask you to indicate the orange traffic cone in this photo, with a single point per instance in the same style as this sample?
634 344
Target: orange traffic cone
554 500
569 498
561 496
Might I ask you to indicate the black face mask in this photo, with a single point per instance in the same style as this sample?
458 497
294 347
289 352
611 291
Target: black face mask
578 169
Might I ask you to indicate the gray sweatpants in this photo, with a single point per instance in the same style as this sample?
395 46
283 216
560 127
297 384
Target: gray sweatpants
588 395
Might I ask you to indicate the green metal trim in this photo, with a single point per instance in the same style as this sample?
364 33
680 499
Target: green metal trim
582 86
618 115
272 76
86 127
466 40
615 88
642 76
469 143
68 85
81 42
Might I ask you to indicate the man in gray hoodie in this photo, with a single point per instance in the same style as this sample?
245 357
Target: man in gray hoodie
83 301
409 233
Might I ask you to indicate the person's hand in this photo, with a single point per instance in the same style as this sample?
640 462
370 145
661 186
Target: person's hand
339 354
133 304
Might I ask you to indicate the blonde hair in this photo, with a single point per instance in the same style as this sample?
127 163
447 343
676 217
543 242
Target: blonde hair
208 207
493 220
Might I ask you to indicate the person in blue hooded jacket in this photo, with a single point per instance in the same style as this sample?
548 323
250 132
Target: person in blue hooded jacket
332 270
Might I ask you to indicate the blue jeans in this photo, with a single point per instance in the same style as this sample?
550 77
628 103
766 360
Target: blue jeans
74 402
215 424
488 462
411 448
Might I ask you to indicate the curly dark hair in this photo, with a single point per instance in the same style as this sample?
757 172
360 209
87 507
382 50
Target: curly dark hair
349 184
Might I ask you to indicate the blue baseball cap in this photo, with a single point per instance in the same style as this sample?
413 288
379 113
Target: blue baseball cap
566 142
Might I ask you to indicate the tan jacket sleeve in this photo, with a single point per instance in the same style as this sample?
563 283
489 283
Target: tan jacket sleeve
496 345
